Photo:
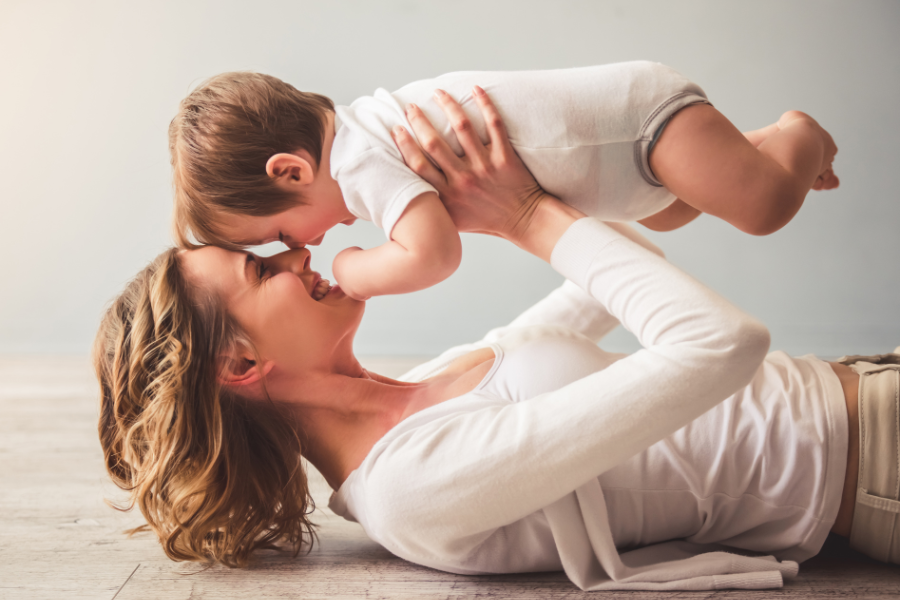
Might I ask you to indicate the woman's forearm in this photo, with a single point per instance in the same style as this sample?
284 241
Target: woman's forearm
571 307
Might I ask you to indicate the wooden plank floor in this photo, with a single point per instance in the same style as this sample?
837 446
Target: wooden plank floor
59 540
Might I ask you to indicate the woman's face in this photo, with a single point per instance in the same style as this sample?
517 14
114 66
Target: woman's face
281 304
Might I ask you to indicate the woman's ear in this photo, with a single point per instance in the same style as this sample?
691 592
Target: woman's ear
291 171
242 370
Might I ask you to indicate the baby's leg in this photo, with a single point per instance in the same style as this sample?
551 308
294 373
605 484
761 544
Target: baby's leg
758 182
758 136
827 179
678 214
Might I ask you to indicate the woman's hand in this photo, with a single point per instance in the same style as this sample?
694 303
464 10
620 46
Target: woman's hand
489 189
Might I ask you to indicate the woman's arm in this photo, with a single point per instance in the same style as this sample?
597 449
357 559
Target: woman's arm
511 460
476 471
568 306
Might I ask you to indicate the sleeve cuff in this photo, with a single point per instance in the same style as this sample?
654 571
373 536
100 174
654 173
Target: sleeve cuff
579 246
399 203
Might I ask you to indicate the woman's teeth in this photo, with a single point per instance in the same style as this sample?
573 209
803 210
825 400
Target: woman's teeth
321 290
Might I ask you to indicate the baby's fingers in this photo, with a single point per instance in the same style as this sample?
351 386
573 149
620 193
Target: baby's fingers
321 289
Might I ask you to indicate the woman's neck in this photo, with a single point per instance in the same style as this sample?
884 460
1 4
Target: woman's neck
342 417
341 420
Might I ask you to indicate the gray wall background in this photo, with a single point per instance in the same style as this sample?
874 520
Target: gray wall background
89 88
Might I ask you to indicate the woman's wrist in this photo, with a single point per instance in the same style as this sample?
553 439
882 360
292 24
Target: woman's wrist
540 230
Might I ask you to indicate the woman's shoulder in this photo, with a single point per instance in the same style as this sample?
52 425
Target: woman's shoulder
414 450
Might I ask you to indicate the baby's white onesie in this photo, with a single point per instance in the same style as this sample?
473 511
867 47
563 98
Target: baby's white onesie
584 133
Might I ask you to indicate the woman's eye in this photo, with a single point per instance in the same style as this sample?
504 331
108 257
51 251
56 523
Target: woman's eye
262 270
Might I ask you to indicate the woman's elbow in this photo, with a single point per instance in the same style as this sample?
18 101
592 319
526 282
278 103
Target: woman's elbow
756 338
750 343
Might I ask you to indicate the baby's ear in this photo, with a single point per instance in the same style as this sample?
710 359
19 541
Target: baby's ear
237 370
290 170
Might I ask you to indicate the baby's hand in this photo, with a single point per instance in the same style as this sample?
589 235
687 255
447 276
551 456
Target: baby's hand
342 272
826 180
322 288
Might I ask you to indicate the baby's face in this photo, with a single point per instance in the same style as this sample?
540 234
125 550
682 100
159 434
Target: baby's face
301 225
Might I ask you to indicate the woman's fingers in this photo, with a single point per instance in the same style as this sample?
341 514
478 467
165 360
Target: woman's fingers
495 127
415 159
494 193
431 141
462 125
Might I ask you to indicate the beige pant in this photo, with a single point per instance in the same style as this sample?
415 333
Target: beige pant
876 516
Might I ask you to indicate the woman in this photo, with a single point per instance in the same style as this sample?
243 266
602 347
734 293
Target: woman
530 450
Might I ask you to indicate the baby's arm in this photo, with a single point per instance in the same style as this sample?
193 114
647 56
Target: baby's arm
424 250
756 182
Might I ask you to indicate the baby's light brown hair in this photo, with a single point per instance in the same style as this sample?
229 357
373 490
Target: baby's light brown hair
220 140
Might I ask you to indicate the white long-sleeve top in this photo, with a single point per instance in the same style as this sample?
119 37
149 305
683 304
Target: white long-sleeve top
485 483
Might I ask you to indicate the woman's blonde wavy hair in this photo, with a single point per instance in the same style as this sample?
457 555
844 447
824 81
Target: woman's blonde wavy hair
215 475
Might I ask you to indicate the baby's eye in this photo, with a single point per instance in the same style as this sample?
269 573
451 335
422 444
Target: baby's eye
280 237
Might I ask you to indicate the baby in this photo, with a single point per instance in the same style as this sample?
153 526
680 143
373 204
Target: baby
256 160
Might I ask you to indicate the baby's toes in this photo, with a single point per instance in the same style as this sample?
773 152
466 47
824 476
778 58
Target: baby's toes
826 181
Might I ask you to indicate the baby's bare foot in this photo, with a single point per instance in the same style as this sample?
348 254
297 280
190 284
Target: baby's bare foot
793 115
826 180
758 136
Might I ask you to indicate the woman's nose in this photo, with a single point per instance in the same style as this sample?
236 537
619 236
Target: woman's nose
296 261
